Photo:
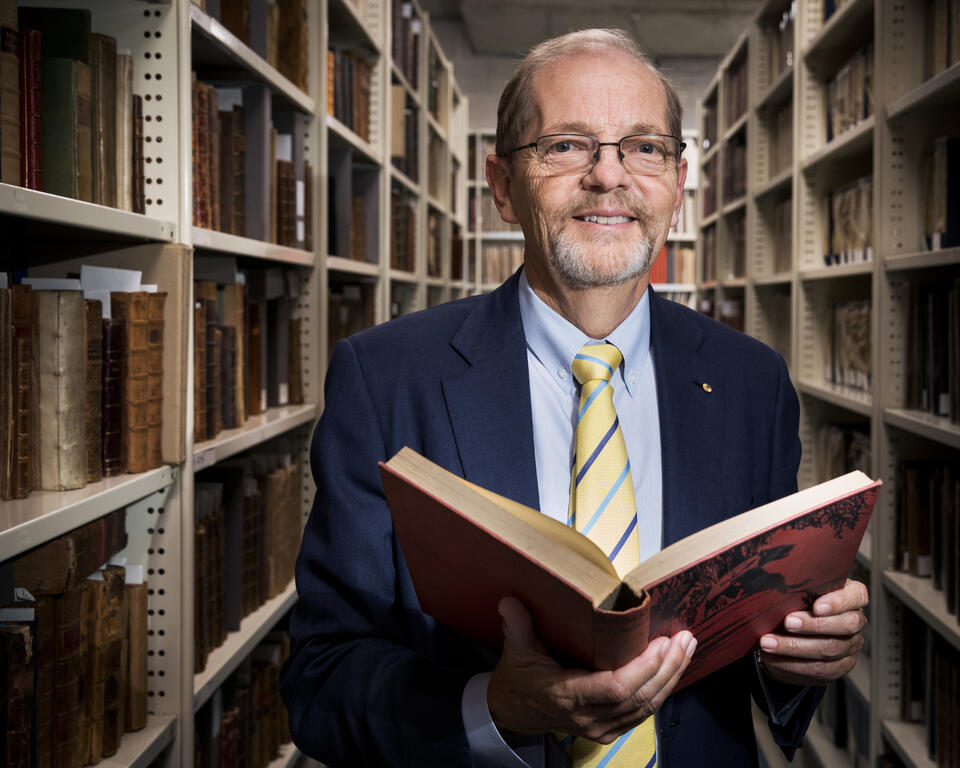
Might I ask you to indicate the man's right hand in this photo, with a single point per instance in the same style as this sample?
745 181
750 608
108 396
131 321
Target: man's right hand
531 693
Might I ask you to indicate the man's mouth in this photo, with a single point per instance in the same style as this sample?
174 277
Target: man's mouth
606 219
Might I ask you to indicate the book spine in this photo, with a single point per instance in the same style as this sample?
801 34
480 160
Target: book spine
31 163
139 201
69 672
9 106
228 367
23 311
155 308
135 706
199 372
132 309
17 675
93 332
111 406
104 137
124 143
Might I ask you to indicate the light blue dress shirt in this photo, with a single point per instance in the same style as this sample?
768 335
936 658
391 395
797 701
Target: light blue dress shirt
552 343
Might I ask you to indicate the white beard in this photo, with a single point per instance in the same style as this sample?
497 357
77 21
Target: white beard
578 270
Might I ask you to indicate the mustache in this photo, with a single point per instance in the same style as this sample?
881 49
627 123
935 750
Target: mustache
620 201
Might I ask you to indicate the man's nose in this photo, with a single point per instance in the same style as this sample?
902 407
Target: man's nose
607 171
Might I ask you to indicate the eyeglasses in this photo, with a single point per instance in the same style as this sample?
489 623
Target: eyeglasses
644 154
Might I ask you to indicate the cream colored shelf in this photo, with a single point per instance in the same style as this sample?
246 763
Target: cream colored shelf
733 282
859 679
817 745
44 515
780 278
397 175
709 154
435 126
737 126
909 741
855 141
352 266
851 399
64 213
138 749
339 130
402 276
402 79
936 428
779 91
508 235
922 260
257 430
246 246
216 47
941 90
224 660
779 182
673 287
847 30
925 601
435 282
734 207
857 269
345 18
681 237
706 221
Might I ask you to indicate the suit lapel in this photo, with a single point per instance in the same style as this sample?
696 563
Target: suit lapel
489 403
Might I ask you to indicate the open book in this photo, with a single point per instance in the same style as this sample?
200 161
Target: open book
728 584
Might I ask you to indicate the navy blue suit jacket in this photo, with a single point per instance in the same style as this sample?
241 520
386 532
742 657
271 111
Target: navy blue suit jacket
373 681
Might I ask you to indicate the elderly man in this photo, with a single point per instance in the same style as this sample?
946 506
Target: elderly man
574 389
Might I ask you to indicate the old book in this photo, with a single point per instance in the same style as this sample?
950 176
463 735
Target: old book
201 156
9 105
155 306
66 128
31 135
254 343
461 540
135 682
231 310
25 407
111 405
278 352
211 363
228 123
46 657
199 372
93 335
231 481
308 207
131 308
6 396
296 363
106 633
124 144
17 666
104 103
228 377
138 195
235 15
258 161
60 318
69 674
292 44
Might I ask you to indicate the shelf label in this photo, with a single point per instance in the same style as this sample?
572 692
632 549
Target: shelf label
204 459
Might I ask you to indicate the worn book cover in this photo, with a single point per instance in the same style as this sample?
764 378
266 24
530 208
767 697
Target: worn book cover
728 584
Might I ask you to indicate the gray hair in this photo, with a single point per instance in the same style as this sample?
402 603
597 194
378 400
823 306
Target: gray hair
518 109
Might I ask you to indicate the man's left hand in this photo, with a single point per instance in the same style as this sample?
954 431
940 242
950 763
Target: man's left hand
820 645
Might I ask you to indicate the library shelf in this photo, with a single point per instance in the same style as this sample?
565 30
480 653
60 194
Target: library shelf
289 756
857 269
818 744
224 660
435 282
403 276
859 679
855 141
864 556
216 50
778 92
256 430
779 182
246 246
709 153
847 30
854 400
397 175
673 287
909 741
44 515
402 79
681 237
929 604
922 260
64 217
708 220
436 127
772 754
734 281
736 127
138 749
435 203
936 428
779 278
507 234
345 21
708 285
488 286
734 207
939 91
352 266
770 10
348 135
738 50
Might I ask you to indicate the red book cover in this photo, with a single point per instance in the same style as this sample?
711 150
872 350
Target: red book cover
31 135
729 584
658 272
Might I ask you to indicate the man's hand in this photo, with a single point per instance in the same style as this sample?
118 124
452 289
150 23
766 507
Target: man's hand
530 692
820 646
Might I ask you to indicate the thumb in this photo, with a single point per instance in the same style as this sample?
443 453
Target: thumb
518 632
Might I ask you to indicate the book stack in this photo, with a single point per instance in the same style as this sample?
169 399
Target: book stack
737 91
74 656
70 122
735 169
405 133
349 83
932 351
849 95
848 353
351 308
406 27
675 264
403 228
500 260
850 223
941 194
941 36
245 722
246 535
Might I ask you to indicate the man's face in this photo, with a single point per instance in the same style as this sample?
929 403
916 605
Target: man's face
608 95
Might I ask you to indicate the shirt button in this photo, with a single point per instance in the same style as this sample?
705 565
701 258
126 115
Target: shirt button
633 377
562 374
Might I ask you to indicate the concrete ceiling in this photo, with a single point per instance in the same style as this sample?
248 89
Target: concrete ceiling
666 28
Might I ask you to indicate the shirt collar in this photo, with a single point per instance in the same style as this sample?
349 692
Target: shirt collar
554 341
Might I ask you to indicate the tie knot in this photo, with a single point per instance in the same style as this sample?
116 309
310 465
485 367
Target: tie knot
596 361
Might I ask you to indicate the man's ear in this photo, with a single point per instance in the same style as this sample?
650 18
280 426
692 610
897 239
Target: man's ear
498 179
678 203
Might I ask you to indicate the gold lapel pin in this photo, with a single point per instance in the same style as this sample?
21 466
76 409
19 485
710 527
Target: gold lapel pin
706 387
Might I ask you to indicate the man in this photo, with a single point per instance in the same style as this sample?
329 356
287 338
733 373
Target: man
485 387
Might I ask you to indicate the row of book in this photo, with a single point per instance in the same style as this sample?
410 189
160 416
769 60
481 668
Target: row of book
932 349
499 261
70 123
941 36
350 308
709 186
781 139
849 231
709 239
349 90
781 240
483 215
675 264
737 245
406 27
687 220
247 349
73 659
930 690
941 194
404 133
779 42
735 169
250 175
848 353
403 228
82 393
840 448
434 244
245 723
737 93
849 94
276 30
247 522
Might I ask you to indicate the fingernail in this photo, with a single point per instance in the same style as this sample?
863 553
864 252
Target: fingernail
685 638
792 622
692 647
768 643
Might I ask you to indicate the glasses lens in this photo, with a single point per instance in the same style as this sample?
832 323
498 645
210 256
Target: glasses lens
648 155
566 153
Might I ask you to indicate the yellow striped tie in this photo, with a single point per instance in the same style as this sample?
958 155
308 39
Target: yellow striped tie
602 506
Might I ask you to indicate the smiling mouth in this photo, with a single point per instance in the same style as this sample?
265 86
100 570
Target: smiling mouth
606 219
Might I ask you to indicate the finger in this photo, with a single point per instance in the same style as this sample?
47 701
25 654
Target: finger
813 648
519 634
618 686
853 596
644 695
843 624
806 671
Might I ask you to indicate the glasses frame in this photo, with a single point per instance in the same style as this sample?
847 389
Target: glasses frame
596 155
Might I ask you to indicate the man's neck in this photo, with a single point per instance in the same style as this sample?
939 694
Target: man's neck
597 310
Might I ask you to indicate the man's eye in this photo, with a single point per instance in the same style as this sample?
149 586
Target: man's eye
561 147
647 148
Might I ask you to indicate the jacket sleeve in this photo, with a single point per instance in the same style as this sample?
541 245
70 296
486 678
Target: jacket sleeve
357 691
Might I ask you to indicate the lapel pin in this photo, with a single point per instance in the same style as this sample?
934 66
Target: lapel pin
706 387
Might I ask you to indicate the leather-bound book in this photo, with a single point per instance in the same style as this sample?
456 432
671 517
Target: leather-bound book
239 172
135 677
228 376
212 377
296 363
113 442
104 102
106 636
201 595
132 309
292 44
9 105
124 145
199 372
155 306
65 107
229 736
232 311
17 666
62 395
229 123
6 396
69 673
18 399
84 131
46 655
253 383
213 157
235 15
308 207
138 193
31 135
201 150
93 333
